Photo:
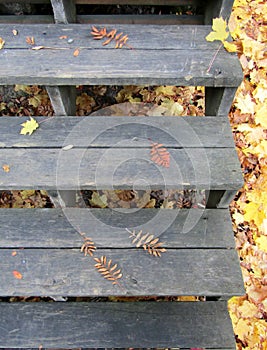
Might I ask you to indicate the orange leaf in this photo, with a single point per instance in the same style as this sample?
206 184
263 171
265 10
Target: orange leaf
63 37
14 253
160 155
76 52
6 168
17 275
30 40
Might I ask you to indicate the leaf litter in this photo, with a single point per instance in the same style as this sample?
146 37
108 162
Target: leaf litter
248 118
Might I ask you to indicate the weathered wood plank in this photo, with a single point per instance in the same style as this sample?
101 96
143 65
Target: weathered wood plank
115 2
218 101
148 37
67 272
63 99
120 67
123 168
218 8
107 66
55 228
135 132
64 11
116 325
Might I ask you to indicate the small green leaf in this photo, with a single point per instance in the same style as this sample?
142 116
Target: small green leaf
29 126
219 26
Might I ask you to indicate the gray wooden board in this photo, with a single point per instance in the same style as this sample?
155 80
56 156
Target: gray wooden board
128 131
150 37
124 168
175 55
116 325
56 228
67 272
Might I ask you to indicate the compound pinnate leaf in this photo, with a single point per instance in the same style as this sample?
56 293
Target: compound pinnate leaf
29 126
219 32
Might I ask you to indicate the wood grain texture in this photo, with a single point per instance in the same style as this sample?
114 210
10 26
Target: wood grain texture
123 168
184 62
116 325
63 99
132 132
67 272
64 11
56 228
218 8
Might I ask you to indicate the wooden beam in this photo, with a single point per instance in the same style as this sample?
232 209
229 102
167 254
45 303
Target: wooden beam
64 11
218 101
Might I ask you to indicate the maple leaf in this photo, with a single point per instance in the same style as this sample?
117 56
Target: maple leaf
254 212
245 104
29 126
262 243
219 26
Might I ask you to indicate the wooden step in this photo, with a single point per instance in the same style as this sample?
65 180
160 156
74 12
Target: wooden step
200 257
172 55
116 325
112 153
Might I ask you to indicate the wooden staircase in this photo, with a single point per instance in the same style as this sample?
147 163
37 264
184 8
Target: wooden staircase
69 153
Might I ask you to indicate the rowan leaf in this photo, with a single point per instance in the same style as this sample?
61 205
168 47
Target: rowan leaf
160 155
29 126
219 32
17 275
2 43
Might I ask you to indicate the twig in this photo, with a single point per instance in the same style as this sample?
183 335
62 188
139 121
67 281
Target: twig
214 57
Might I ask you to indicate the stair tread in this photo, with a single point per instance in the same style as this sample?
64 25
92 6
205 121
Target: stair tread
57 228
173 55
122 150
196 263
116 325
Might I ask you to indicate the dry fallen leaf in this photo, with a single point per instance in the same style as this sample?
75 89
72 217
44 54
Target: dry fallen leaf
30 40
63 37
6 168
2 43
15 32
17 275
14 253
76 52
29 126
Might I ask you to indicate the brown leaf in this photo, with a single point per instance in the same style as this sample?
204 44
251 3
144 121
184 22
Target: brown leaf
160 155
148 242
17 275
6 168
76 52
63 37
14 253
30 40
108 270
88 247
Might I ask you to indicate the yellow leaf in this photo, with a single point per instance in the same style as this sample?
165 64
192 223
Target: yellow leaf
29 126
245 104
230 47
98 201
262 243
261 116
219 26
254 213
2 43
